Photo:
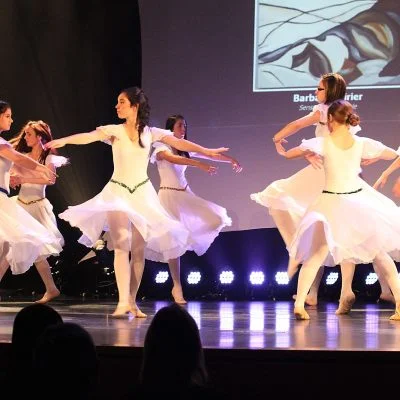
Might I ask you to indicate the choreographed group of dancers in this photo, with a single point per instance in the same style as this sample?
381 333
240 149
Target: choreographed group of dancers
326 213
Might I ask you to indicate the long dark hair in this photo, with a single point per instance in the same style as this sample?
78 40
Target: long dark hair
41 129
4 106
169 125
335 87
135 96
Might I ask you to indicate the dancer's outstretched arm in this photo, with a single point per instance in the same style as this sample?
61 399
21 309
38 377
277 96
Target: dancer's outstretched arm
175 159
380 183
26 162
293 127
79 139
186 145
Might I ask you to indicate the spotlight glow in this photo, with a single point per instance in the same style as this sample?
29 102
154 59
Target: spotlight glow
194 278
226 277
281 278
257 278
371 278
162 277
332 278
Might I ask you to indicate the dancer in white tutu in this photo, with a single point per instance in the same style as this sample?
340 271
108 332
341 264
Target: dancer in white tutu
203 219
32 194
23 240
128 206
349 221
288 199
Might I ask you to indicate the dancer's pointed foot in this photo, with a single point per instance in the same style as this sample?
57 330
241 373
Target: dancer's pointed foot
177 295
387 297
122 311
311 300
396 315
300 313
345 304
137 312
48 296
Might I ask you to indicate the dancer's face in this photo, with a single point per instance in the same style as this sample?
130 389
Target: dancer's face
124 107
6 120
31 138
180 128
320 92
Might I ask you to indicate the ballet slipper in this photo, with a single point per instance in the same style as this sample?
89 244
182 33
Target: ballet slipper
48 296
310 300
388 297
345 304
396 315
177 295
301 314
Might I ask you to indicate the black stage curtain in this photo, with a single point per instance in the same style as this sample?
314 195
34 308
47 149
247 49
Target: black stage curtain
65 61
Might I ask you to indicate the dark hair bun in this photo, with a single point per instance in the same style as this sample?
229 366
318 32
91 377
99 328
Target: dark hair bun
353 119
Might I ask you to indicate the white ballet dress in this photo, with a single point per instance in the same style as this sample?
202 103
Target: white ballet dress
32 198
131 192
296 193
203 219
359 222
24 238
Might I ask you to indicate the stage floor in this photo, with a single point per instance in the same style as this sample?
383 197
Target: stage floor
236 325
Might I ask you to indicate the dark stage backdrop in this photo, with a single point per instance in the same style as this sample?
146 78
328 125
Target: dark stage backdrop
240 70
65 61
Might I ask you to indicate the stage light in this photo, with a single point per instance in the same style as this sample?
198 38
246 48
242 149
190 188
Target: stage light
332 278
194 278
226 277
257 278
162 277
371 278
281 278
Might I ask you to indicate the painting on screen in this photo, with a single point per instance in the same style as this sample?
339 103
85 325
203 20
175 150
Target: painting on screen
298 41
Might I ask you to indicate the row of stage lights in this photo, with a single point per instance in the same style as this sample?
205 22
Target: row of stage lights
256 278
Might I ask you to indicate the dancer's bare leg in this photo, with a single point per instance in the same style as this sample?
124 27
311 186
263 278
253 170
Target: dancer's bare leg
175 270
137 268
120 235
389 273
43 267
347 296
3 267
309 270
386 294
312 297
285 224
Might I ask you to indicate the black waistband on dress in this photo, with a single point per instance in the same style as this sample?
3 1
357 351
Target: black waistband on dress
354 191
4 191
130 190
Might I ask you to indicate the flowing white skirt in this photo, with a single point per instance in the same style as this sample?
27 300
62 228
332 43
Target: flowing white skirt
203 219
165 237
23 238
294 194
42 211
357 227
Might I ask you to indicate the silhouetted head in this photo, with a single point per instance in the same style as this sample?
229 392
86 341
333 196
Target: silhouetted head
173 354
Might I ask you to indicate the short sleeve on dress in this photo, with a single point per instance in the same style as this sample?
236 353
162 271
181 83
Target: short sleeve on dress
372 148
158 148
57 161
316 145
4 143
157 134
111 131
